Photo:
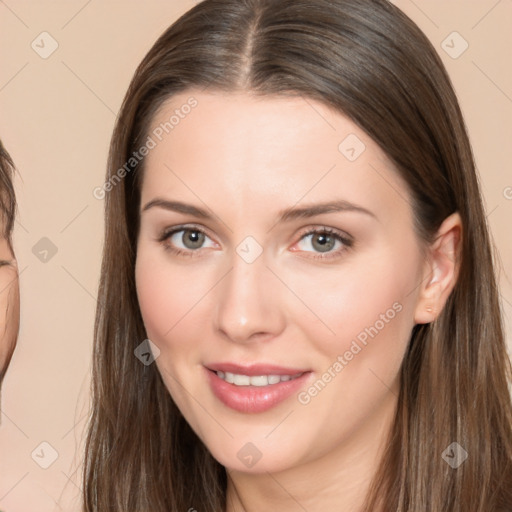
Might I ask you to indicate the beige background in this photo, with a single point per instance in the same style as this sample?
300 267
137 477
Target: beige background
56 119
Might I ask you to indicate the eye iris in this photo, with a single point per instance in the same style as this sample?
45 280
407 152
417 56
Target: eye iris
326 242
195 238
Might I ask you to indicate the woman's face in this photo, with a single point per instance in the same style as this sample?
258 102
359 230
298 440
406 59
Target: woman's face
311 328
9 305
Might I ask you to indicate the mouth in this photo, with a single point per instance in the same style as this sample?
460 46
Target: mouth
255 388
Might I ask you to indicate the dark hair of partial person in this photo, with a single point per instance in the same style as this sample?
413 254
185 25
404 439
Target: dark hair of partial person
371 63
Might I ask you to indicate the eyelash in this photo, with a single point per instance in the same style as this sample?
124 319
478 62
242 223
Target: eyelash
345 240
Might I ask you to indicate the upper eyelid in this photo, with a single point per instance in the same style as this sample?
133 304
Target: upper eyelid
167 232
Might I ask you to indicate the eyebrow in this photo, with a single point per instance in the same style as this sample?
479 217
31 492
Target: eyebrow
286 215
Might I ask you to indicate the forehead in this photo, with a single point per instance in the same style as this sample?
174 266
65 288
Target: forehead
255 149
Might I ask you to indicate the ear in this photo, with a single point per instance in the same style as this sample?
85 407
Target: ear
441 270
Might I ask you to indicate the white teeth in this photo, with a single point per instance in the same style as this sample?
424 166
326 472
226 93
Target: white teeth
257 380
241 380
260 380
274 379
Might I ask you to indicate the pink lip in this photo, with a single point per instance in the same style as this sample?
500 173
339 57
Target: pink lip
254 399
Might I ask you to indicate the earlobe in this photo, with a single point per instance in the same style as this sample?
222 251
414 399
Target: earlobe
428 308
441 270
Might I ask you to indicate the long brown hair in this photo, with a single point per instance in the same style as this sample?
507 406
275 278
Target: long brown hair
370 62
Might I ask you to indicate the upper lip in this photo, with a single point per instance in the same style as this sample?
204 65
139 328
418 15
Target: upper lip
254 369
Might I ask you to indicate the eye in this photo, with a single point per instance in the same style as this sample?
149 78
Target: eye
323 241
184 240
187 240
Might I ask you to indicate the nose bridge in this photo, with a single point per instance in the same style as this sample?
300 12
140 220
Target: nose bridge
246 299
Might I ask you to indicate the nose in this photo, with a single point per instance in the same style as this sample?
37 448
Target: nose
247 302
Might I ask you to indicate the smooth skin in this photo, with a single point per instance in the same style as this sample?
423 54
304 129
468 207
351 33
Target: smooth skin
244 159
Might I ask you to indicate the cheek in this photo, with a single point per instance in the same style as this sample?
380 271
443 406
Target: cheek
369 306
166 300
166 293
366 310
356 301
173 304
156 298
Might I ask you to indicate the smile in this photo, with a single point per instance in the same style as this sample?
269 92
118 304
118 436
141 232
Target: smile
256 388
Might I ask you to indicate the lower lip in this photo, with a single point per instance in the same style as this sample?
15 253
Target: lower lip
254 399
